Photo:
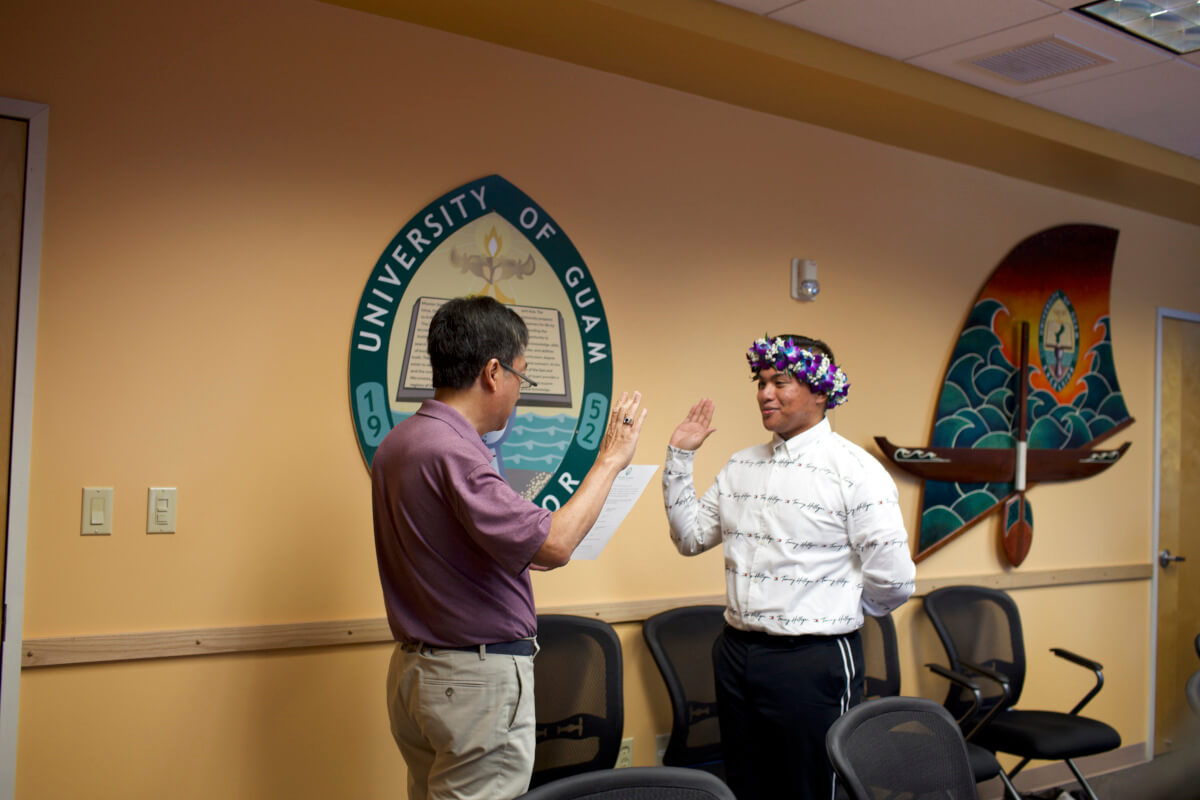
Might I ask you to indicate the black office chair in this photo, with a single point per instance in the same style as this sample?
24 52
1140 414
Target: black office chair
635 783
981 632
881 659
578 695
681 642
900 747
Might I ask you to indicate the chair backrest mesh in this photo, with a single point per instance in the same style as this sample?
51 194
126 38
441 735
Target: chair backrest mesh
635 783
981 626
650 793
681 642
578 697
903 747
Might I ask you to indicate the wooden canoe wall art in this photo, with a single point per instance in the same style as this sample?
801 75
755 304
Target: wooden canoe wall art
1030 389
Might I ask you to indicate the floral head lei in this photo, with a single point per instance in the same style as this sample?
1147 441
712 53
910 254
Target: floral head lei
815 369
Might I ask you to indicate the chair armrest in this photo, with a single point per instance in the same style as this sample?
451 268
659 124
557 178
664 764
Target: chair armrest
963 681
1086 663
989 673
1095 666
996 677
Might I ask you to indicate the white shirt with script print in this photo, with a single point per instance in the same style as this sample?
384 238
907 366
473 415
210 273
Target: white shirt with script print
812 531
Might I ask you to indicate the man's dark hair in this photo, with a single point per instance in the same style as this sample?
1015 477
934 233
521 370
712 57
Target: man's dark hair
468 331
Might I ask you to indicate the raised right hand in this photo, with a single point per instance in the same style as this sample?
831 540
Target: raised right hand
621 436
695 428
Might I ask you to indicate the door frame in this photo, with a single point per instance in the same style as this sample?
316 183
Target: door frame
37 115
1186 316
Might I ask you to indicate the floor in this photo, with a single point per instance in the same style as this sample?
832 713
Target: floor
1174 775
1171 775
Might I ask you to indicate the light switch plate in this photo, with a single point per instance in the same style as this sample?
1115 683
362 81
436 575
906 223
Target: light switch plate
96 518
160 510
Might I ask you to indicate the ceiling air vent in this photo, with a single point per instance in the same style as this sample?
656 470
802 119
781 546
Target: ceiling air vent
1037 61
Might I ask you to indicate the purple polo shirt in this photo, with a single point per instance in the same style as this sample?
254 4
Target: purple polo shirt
454 540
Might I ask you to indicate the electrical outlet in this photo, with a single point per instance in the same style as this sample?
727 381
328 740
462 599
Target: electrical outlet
660 747
625 754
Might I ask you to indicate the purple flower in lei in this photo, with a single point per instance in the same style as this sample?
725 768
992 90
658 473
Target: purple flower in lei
815 369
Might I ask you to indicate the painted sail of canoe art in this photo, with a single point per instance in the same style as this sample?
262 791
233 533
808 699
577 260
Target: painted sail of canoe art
1039 332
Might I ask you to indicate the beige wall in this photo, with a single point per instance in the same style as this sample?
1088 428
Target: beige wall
222 177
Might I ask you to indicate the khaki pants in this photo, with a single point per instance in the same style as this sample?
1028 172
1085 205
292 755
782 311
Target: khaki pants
464 722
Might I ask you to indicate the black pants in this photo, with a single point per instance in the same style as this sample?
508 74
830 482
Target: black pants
777 697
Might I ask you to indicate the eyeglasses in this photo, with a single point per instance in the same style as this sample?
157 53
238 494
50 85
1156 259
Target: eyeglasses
525 382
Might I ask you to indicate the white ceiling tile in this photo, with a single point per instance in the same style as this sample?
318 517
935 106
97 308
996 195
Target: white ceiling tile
907 29
759 6
1146 92
1125 53
1159 104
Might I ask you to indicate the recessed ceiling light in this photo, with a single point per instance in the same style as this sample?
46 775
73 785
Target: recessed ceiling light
1173 25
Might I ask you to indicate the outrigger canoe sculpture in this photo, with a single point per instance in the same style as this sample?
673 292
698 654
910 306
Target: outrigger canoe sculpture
1009 417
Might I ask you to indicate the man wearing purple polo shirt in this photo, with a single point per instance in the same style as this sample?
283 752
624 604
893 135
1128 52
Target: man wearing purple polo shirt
455 544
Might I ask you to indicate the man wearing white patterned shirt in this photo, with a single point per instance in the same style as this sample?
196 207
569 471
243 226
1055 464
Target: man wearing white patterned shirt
813 539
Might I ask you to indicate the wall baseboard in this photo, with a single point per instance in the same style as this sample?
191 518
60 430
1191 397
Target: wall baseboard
100 648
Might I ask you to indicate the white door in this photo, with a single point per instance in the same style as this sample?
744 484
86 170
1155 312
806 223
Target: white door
14 134
23 128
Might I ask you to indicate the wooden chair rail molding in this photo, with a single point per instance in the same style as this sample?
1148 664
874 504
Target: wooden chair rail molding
51 651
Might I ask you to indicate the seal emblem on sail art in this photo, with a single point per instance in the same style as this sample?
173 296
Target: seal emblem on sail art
1014 412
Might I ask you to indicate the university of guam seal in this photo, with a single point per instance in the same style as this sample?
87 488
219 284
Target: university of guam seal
488 237
1058 340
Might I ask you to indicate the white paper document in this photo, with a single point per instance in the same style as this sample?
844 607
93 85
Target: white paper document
627 488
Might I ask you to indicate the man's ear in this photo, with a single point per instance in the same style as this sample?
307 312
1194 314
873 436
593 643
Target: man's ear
490 376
